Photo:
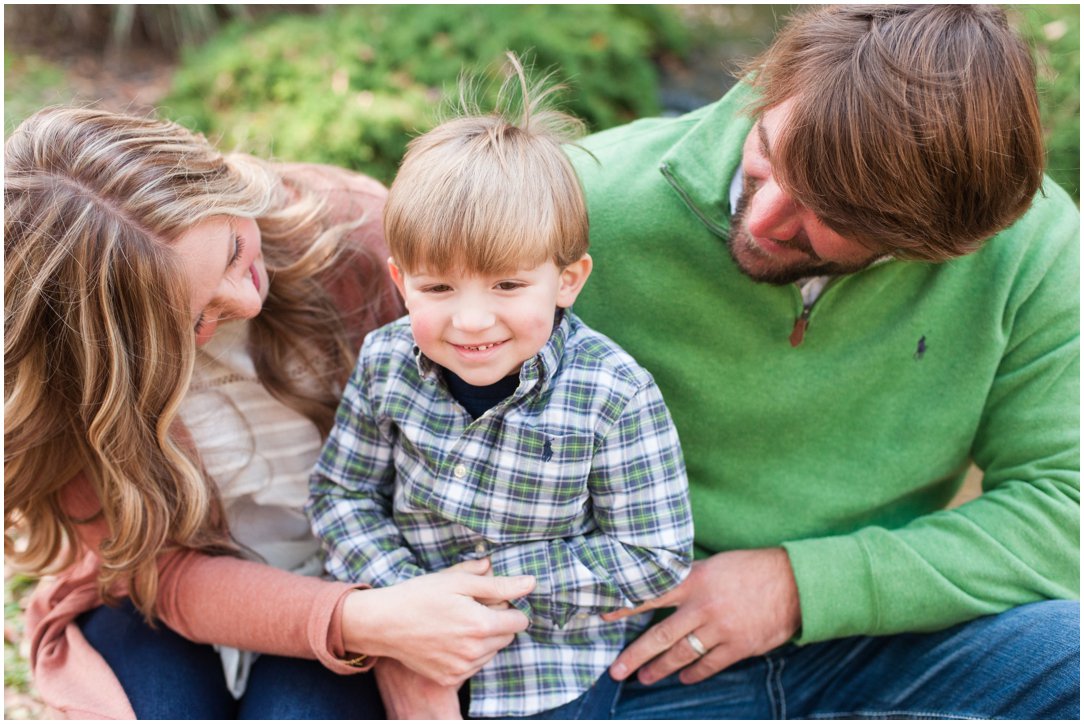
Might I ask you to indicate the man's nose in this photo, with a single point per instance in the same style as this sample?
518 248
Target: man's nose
773 214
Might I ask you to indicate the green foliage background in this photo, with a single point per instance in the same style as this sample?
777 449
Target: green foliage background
350 86
1054 33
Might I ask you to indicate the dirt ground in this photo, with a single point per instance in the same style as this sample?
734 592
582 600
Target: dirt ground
134 82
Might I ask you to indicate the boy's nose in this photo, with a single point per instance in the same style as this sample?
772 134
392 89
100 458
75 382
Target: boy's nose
473 319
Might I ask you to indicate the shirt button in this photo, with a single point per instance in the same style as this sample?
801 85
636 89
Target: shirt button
480 548
582 616
460 471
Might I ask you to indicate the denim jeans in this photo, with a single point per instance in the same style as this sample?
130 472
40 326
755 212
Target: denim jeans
1021 664
169 677
595 703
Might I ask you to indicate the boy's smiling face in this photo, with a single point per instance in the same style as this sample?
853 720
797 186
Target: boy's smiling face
483 327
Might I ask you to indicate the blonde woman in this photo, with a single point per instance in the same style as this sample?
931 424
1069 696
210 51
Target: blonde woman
178 327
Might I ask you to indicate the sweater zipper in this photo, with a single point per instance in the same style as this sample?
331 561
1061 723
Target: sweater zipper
715 228
800 324
797 334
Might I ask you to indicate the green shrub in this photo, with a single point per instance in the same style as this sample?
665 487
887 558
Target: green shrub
1054 32
30 83
352 85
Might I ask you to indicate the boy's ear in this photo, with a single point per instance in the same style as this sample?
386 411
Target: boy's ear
396 276
573 277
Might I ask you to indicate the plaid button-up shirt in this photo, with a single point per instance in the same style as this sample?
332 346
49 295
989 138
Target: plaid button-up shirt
576 479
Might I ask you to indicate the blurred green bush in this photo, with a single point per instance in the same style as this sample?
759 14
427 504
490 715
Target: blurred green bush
37 83
352 85
1053 31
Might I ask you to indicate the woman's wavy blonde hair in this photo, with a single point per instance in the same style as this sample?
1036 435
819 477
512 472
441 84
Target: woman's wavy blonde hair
98 336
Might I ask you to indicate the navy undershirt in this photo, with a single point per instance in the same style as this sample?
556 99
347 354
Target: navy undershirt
478 400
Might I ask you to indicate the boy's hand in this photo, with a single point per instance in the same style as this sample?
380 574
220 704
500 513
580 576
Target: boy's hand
408 695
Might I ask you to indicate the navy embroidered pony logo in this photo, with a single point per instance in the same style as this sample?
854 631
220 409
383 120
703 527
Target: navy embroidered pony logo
920 351
547 451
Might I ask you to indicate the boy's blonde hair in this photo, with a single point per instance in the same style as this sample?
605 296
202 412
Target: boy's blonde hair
488 193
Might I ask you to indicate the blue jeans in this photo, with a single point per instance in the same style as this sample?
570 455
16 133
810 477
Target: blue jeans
1021 664
595 703
166 676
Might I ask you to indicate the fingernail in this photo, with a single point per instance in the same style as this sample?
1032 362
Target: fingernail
619 671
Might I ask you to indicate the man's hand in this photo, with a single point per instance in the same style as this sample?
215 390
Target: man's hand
409 695
738 604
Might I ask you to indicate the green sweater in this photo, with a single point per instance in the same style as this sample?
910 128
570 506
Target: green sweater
846 448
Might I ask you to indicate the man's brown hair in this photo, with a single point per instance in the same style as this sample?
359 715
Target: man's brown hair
914 130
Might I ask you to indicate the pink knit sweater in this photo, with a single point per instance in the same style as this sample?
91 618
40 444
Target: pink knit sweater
211 599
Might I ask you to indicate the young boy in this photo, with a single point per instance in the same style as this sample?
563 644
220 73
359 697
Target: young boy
492 423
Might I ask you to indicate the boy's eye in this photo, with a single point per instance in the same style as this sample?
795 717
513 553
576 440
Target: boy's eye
509 286
436 289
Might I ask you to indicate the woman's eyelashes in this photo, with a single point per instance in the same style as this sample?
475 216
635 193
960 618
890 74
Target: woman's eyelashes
238 248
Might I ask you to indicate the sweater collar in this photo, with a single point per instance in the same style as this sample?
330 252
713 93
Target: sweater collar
703 179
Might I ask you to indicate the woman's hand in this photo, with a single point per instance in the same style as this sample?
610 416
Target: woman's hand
409 695
434 624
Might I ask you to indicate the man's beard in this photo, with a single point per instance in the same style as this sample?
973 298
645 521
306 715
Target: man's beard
760 266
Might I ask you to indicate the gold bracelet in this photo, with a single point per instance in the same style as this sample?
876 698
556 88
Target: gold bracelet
357 662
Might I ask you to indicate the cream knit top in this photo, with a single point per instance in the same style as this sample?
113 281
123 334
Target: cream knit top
259 452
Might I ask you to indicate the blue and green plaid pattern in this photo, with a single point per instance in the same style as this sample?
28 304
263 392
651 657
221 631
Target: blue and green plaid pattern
577 479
